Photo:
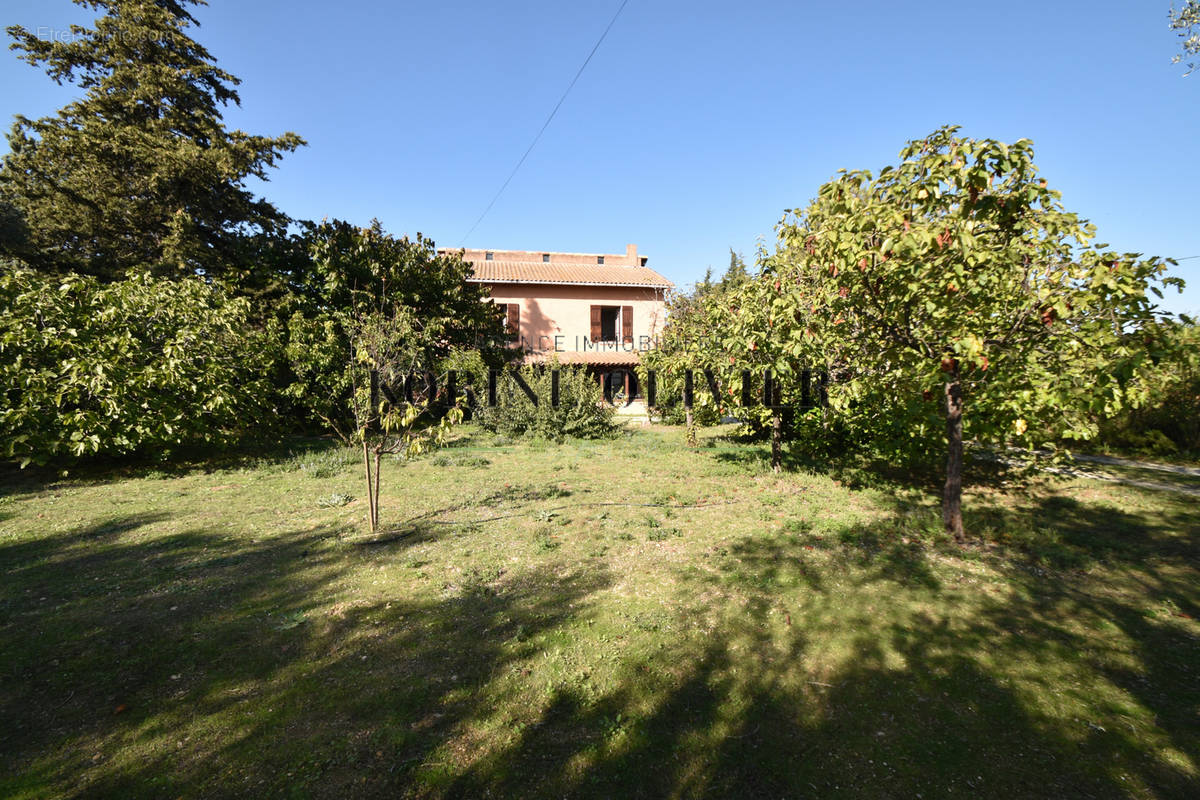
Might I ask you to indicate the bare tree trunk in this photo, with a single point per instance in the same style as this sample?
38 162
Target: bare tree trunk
776 440
952 494
691 429
370 486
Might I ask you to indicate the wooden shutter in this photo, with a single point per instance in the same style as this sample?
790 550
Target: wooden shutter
627 324
595 323
514 319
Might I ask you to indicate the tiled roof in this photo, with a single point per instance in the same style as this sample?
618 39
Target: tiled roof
587 274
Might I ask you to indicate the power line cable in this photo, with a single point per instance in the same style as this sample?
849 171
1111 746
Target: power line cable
546 124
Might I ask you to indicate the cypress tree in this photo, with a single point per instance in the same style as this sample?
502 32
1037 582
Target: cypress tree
140 171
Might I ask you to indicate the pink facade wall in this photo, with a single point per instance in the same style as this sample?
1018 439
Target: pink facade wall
558 317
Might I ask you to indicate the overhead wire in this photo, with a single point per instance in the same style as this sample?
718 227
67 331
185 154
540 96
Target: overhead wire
546 124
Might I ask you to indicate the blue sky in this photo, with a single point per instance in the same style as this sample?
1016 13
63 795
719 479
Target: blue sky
697 123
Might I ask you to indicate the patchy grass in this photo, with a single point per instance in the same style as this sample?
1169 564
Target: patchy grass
627 618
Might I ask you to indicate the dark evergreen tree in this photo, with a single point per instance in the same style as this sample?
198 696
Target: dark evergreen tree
737 273
140 170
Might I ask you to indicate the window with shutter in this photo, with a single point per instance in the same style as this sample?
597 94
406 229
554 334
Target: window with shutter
607 325
609 319
627 324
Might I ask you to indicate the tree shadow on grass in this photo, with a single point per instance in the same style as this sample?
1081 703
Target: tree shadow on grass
146 663
1058 530
96 628
201 664
1155 554
287 452
427 526
857 471
847 470
963 699
942 725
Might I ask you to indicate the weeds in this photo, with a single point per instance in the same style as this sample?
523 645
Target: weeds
335 500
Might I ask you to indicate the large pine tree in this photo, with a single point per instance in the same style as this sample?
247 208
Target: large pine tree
140 171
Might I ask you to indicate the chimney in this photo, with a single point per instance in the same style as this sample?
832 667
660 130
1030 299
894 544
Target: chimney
631 255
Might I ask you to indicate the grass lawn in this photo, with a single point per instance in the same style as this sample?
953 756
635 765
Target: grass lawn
627 618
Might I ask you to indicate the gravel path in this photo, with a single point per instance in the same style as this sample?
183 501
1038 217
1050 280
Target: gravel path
1076 472
1125 462
1194 491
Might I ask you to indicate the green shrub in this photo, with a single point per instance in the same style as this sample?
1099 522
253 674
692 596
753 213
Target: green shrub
471 372
1167 420
356 273
669 408
139 365
581 413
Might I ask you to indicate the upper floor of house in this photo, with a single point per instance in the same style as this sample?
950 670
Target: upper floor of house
584 307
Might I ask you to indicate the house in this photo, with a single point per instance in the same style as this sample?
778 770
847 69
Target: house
596 309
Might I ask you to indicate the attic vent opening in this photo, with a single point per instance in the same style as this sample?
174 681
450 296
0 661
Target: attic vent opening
545 258
488 255
599 259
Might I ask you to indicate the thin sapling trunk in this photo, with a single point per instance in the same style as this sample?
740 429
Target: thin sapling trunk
952 493
375 494
370 486
776 440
